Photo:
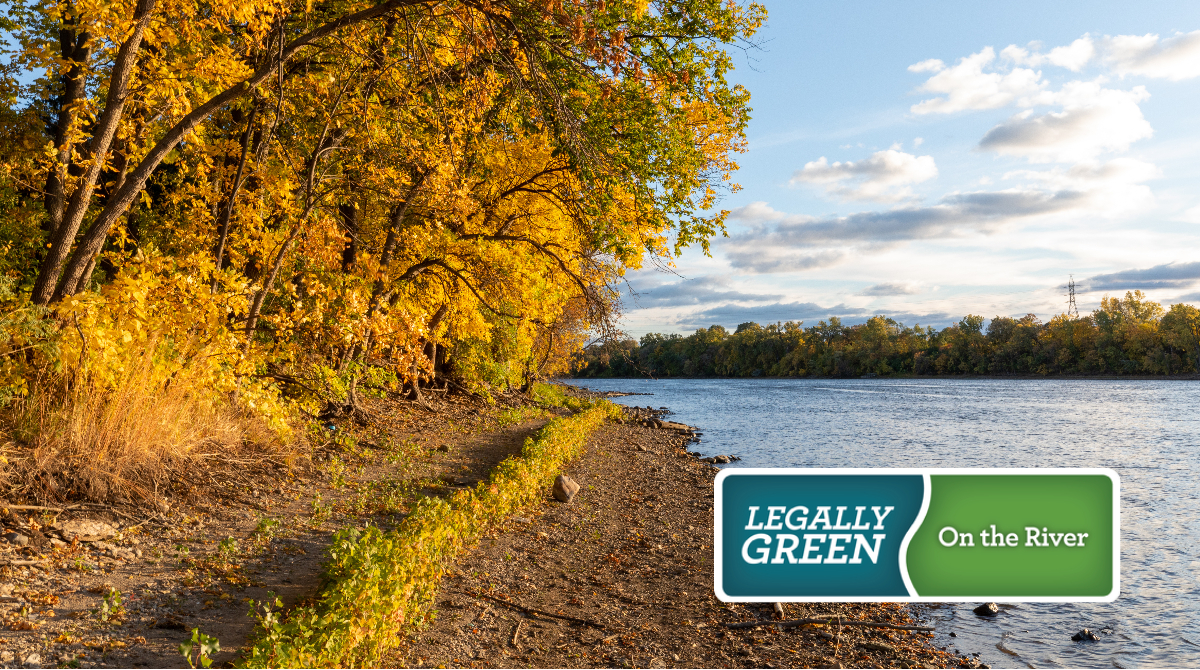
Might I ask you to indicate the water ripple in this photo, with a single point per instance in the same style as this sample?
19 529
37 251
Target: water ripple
1148 431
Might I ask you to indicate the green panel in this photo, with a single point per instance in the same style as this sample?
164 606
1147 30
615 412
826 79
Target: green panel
973 503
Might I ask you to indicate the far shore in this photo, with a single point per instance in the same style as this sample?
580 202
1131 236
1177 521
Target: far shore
1188 377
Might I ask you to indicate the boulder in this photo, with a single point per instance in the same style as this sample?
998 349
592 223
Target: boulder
565 488
87 530
987 609
1085 634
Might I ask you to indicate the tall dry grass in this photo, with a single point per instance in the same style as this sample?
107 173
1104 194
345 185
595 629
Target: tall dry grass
75 437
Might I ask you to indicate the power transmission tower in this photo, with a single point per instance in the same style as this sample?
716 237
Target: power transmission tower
1072 308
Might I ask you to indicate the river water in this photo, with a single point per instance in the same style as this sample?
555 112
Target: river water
1148 431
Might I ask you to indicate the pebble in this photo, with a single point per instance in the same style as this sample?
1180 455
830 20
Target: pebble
87 530
987 609
565 488
17 539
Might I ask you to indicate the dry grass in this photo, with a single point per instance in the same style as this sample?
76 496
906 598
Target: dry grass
77 439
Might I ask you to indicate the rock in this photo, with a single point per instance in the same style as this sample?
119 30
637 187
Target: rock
642 447
443 448
565 488
987 609
878 646
57 543
87 530
1085 634
722 459
32 660
953 634
17 539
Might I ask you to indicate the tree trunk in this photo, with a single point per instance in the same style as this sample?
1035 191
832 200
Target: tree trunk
114 106
73 278
76 50
349 213
227 215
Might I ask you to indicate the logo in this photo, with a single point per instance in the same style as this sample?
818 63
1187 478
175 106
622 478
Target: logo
912 535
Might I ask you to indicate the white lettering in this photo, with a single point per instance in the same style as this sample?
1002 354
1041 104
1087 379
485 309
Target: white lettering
839 525
809 548
750 524
1031 536
774 518
860 542
835 548
880 517
787 520
858 524
763 552
821 517
953 536
787 544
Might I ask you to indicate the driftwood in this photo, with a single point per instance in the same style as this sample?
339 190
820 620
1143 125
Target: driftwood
19 562
530 610
36 508
800 622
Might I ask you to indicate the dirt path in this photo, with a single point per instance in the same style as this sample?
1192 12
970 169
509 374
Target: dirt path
631 556
231 535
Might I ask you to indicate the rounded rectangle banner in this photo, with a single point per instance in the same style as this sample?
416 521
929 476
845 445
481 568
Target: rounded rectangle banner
919 534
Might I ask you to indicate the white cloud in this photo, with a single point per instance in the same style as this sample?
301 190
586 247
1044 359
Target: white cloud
890 289
1115 187
881 178
795 242
1072 57
967 86
1094 120
1191 215
1174 58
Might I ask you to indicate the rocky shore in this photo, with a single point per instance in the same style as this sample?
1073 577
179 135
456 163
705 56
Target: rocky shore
619 576
622 577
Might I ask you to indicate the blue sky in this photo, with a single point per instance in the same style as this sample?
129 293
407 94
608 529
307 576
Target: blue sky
929 160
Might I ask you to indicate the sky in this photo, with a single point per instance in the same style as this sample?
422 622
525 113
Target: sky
928 160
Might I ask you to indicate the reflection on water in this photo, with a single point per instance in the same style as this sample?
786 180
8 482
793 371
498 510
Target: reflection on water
1148 431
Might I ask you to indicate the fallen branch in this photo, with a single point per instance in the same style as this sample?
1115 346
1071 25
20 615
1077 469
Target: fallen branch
37 508
146 521
801 622
18 562
530 610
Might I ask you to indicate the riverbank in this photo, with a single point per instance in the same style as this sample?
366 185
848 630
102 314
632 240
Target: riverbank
92 585
622 577
630 557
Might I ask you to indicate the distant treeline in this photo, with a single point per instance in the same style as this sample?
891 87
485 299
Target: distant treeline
1131 336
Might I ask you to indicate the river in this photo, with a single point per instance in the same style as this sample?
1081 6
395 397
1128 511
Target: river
1148 431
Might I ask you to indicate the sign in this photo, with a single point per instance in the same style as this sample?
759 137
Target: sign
914 535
